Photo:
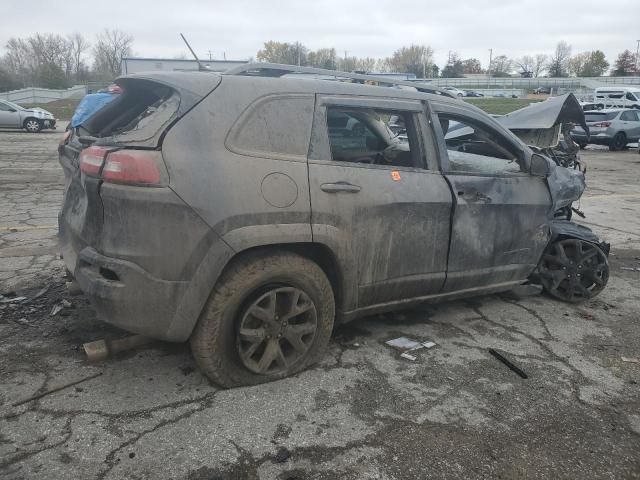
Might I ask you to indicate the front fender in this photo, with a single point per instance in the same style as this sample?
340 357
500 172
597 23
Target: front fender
566 229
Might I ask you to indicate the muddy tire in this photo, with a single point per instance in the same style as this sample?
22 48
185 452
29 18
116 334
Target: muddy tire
269 317
619 142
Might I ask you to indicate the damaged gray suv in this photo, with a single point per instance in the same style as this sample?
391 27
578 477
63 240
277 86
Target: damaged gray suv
249 212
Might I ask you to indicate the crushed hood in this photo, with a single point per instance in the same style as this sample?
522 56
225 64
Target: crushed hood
539 123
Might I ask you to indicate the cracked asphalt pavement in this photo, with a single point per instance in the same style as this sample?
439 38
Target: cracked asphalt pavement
363 413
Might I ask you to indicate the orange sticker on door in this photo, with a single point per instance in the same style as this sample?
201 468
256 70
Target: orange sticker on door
395 176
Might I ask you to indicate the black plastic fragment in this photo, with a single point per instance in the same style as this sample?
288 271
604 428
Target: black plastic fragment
511 366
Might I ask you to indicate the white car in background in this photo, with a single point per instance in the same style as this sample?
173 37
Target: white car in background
456 91
30 119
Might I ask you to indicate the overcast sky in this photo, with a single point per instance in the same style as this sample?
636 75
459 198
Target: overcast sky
362 28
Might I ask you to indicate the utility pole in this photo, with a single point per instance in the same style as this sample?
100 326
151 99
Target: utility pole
210 55
489 69
637 51
424 63
298 45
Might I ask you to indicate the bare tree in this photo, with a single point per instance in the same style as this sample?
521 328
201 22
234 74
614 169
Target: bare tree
79 46
526 65
559 62
539 64
110 48
501 66
416 59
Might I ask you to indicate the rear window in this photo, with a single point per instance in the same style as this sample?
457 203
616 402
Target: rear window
143 110
600 116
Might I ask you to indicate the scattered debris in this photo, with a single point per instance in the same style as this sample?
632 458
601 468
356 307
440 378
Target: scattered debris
403 343
101 349
57 308
283 455
41 292
631 269
23 321
511 366
630 359
13 300
408 356
406 345
55 389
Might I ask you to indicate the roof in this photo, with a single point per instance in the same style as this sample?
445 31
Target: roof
190 60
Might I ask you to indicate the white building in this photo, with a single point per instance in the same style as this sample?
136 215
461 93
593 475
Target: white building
136 65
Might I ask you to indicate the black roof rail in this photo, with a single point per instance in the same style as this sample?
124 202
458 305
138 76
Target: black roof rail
261 69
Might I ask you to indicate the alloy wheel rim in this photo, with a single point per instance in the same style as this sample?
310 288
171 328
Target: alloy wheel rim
276 330
32 125
574 270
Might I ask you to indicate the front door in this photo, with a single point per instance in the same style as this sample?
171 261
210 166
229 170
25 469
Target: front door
9 117
377 198
500 222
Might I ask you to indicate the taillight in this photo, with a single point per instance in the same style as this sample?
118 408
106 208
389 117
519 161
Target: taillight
136 167
91 160
602 124
133 166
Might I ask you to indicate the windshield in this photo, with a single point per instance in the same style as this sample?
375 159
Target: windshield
13 105
600 116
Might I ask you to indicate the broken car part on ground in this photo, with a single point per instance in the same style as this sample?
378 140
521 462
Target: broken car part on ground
294 204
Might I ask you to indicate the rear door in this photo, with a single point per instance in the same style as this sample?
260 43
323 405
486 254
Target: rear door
377 198
500 221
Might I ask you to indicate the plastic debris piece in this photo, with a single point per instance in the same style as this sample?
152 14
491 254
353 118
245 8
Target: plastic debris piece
511 366
630 359
428 344
13 300
41 292
408 356
404 343
56 309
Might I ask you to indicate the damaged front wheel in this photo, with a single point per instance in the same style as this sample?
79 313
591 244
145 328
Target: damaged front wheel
573 270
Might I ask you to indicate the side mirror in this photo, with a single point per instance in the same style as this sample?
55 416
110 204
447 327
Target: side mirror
12 110
540 165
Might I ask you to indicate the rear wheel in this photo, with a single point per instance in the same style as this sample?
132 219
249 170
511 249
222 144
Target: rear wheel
32 125
573 270
619 142
270 316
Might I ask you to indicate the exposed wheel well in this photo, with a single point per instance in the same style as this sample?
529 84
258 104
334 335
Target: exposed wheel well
317 252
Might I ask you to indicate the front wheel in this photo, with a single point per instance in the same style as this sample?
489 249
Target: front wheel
32 125
619 142
573 270
269 317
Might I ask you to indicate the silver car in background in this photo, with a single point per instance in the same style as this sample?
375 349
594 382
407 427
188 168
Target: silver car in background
30 119
614 127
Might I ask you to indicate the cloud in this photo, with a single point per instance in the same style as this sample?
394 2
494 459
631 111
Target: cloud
363 28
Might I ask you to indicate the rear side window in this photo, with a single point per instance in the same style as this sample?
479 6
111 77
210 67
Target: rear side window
629 116
277 126
599 116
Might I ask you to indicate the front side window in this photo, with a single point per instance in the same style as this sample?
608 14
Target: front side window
631 96
5 108
476 148
370 136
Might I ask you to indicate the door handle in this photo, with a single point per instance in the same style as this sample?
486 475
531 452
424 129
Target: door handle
338 187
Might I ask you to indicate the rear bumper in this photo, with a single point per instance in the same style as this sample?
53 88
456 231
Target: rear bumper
125 295
602 138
